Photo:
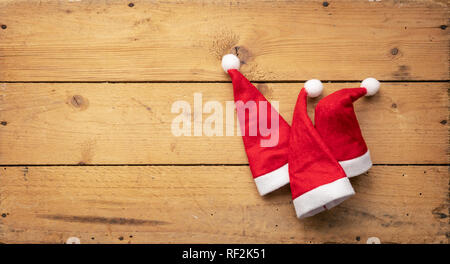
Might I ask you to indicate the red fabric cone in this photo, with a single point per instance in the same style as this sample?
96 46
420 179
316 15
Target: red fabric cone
267 154
336 122
317 180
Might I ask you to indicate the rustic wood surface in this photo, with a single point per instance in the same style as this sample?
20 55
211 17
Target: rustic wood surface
185 40
200 204
77 123
86 89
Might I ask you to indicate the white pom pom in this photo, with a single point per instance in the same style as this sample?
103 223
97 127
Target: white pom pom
313 87
230 61
372 86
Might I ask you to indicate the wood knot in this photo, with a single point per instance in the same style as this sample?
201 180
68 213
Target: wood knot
394 51
242 53
3 123
325 4
4 26
79 102
130 4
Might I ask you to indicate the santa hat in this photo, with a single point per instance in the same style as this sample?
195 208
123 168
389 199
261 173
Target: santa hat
268 161
336 122
317 181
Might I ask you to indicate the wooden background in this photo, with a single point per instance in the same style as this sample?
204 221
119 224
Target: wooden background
86 89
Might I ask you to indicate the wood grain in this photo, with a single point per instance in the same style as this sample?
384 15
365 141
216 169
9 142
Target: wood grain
184 40
131 123
59 106
213 204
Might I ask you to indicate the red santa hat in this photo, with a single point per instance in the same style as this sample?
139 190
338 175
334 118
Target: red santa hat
268 161
336 122
317 181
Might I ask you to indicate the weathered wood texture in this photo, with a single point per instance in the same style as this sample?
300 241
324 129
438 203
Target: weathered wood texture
131 123
184 40
173 204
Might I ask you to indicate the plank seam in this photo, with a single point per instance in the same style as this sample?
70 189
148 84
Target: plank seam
188 165
254 81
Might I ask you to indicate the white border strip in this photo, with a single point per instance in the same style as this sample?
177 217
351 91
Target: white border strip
357 166
273 180
323 197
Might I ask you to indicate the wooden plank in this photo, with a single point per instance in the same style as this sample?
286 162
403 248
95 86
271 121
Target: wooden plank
184 40
131 123
213 204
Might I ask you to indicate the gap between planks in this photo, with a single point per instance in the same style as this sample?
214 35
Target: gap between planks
192 165
253 81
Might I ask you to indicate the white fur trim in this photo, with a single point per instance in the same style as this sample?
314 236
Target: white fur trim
372 86
357 166
273 180
313 87
323 197
230 61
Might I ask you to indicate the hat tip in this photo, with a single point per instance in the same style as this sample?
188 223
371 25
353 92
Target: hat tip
230 61
372 86
313 87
